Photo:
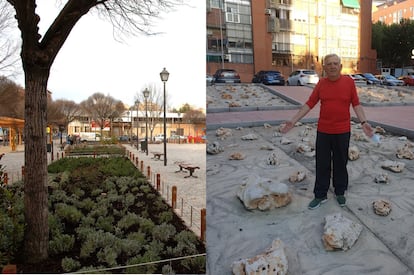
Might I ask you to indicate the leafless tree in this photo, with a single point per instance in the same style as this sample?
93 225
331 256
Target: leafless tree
102 108
37 56
8 47
61 112
11 99
155 106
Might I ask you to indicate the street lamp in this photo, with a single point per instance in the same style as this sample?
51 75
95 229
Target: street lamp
137 103
146 93
164 78
179 129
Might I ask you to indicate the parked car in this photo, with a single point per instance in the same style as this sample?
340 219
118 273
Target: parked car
158 138
269 78
408 80
371 79
359 80
302 77
390 80
123 138
226 76
209 79
174 138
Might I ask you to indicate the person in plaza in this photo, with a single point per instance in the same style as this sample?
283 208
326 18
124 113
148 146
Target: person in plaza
336 93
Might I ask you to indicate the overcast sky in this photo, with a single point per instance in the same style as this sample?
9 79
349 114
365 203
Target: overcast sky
91 60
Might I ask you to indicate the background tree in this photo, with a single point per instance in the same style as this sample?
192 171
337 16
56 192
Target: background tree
8 48
117 111
155 103
11 99
394 43
37 55
101 109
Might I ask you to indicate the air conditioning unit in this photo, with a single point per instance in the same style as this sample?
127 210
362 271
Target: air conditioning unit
268 11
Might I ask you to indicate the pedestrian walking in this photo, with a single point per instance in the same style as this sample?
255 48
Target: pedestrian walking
336 93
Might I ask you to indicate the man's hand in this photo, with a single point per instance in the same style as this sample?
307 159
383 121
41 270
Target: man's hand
366 127
286 127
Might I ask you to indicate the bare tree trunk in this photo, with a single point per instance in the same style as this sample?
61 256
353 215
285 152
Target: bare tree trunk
35 180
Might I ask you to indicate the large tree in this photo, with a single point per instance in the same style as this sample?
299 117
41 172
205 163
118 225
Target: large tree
102 108
37 55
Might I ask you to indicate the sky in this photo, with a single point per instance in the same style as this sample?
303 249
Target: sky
91 60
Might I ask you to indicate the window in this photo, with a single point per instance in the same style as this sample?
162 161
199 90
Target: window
232 15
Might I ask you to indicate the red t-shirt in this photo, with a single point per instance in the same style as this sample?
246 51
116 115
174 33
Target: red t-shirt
336 98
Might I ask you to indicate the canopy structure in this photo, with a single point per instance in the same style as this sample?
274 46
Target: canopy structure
351 4
15 132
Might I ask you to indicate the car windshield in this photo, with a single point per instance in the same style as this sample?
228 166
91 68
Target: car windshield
390 77
309 72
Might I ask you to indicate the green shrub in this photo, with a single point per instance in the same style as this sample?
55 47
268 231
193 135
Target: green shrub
166 216
68 212
146 225
128 220
163 232
61 243
70 265
105 223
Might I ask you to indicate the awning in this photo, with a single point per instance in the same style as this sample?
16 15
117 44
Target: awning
351 4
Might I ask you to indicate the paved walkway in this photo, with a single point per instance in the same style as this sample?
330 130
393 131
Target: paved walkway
398 119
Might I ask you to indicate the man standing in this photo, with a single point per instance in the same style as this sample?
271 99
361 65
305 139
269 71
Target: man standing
336 93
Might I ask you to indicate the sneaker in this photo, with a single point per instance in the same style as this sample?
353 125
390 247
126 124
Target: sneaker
341 200
316 202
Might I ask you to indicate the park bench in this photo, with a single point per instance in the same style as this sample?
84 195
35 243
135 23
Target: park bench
189 167
157 155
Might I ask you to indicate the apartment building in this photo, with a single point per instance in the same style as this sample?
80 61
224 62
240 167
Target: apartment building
285 35
391 12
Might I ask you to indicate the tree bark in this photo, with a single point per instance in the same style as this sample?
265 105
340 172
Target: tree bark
35 183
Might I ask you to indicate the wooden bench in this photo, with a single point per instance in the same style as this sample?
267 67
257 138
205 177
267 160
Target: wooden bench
157 155
189 167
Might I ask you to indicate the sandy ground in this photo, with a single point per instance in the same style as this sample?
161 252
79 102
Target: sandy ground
220 97
386 244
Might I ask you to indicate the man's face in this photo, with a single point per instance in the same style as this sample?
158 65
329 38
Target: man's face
332 67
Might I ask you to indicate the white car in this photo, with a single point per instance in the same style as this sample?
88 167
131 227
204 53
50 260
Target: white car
158 138
302 77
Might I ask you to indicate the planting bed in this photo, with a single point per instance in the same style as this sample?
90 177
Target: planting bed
103 214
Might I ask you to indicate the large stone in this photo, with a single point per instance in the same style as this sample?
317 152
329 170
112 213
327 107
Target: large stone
214 148
393 166
340 233
223 133
353 153
382 207
263 194
405 152
272 261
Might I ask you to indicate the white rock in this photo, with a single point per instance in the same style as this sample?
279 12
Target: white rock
272 159
382 207
250 136
340 232
272 261
393 166
267 125
297 176
353 153
214 148
263 194
405 152
381 178
236 156
285 141
223 133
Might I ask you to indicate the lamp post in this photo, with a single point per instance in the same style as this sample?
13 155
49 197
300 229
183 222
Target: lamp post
179 129
137 103
164 78
146 95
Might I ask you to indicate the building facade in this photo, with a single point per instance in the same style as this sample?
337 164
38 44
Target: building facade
288 35
391 12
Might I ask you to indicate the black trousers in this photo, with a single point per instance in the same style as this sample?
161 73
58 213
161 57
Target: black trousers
331 160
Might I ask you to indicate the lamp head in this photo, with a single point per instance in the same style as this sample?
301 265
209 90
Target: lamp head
164 75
